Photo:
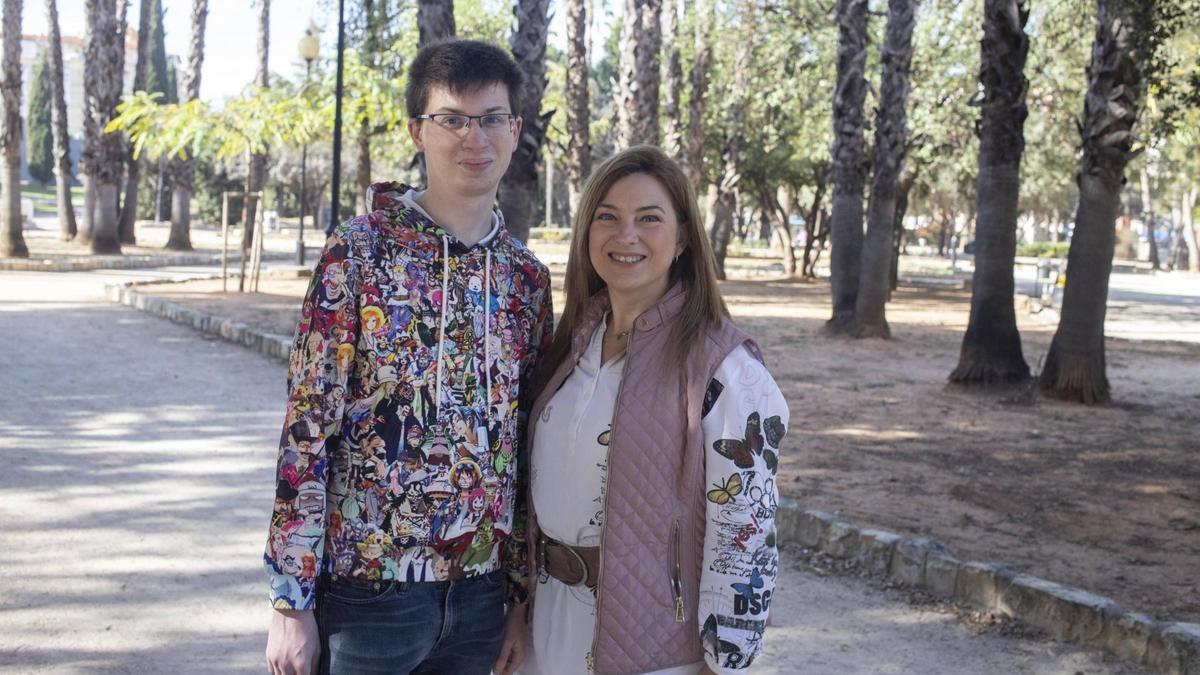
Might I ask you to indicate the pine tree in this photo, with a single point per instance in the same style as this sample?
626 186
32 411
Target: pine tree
40 149
159 75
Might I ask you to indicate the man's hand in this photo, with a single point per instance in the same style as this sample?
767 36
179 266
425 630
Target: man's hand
516 641
293 643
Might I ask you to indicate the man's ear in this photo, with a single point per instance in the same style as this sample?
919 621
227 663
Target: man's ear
517 131
414 132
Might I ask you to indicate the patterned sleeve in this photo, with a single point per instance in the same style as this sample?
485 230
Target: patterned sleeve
517 553
318 369
744 421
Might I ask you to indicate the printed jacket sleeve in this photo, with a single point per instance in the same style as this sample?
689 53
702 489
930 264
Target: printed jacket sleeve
321 358
517 553
744 421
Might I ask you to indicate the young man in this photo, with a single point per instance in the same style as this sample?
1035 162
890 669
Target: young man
397 538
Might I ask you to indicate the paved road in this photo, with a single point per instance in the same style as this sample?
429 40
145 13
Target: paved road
137 466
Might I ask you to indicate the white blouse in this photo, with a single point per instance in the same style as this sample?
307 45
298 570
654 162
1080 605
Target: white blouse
744 419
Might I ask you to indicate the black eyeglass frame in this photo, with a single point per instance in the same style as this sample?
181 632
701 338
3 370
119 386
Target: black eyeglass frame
433 117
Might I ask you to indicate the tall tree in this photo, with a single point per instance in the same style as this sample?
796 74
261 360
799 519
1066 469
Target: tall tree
158 79
58 116
874 285
693 145
1148 218
1075 365
183 173
256 172
672 79
849 163
133 170
991 347
39 152
637 105
579 142
435 20
12 237
101 159
518 187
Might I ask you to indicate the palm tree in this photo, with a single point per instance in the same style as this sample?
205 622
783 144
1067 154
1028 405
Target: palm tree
435 20
256 170
693 144
58 121
1075 365
12 238
637 102
183 173
991 347
672 78
102 158
849 163
518 188
874 286
579 144
129 206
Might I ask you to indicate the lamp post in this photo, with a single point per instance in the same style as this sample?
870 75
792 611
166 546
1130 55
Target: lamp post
336 179
309 47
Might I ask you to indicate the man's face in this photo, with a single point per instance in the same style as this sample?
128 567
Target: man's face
468 162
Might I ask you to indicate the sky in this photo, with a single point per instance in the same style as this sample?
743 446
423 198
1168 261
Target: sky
230 36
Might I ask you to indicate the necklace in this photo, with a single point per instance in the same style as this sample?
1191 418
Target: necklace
620 336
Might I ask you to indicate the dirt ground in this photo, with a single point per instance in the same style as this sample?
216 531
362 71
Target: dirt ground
1106 498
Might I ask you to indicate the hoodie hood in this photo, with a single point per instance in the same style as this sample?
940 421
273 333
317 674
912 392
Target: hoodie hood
398 202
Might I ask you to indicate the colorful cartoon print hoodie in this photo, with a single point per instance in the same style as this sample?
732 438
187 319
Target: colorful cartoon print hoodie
404 433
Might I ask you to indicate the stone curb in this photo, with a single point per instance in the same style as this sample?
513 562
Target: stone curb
268 344
123 262
1065 613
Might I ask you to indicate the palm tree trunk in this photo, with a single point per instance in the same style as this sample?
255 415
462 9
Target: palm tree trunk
890 134
12 237
637 98
1075 365
693 144
672 79
183 172
849 163
1148 218
101 159
991 347
256 173
435 20
58 119
130 204
519 186
579 144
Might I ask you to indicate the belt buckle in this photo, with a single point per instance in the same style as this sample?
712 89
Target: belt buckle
582 564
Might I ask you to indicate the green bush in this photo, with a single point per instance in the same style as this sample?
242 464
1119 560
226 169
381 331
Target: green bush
1044 249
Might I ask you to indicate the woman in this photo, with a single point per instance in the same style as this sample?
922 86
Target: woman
655 438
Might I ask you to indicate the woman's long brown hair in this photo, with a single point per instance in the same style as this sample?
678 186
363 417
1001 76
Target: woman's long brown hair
695 266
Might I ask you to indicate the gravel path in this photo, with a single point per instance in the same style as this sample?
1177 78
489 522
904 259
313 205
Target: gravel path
134 497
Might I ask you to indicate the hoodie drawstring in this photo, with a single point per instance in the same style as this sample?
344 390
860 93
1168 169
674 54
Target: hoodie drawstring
442 330
487 334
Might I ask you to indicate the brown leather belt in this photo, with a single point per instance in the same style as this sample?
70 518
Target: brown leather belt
572 565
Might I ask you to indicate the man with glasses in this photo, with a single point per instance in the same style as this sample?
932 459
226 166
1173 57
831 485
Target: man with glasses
442 315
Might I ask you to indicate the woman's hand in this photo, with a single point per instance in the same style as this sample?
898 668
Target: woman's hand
293 643
516 641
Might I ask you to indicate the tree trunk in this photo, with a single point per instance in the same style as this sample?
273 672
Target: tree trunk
849 163
130 204
874 285
775 217
1075 365
907 178
672 79
579 144
102 158
991 347
435 20
723 207
731 160
1187 206
182 172
362 172
693 144
811 229
519 186
1148 218
12 237
256 174
637 93
58 119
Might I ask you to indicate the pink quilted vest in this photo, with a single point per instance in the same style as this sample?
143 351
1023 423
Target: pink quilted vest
653 539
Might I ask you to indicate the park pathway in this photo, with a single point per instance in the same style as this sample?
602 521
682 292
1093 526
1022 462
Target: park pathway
135 486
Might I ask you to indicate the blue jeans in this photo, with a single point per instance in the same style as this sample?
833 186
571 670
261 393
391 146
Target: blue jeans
418 628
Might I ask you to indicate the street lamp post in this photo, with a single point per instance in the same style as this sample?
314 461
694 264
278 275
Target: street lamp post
309 48
336 179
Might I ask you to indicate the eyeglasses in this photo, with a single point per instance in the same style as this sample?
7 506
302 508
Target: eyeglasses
493 124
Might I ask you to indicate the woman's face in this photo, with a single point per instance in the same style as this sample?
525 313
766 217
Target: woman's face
634 237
